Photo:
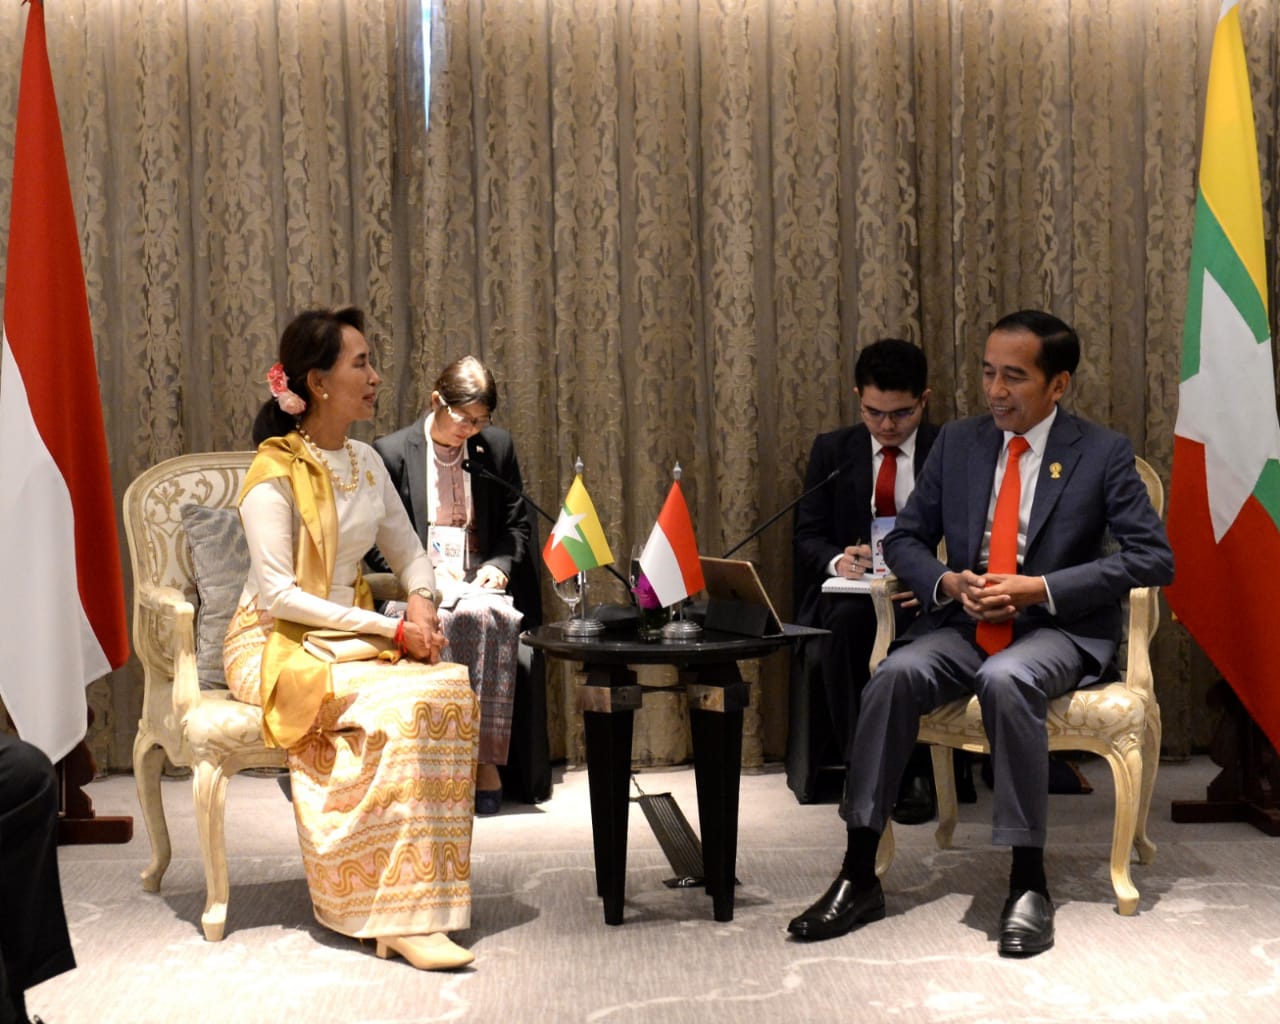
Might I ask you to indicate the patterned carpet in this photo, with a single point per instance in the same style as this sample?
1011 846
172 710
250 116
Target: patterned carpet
1205 945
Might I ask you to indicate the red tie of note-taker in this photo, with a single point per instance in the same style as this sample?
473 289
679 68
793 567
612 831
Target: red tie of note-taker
1003 556
886 480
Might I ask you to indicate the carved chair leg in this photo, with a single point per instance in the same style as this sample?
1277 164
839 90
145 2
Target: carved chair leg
944 782
1127 771
148 763
1150 764
210 791
885 851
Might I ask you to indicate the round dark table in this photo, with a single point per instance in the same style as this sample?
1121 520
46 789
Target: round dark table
717 697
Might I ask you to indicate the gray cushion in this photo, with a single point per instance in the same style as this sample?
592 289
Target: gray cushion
220 560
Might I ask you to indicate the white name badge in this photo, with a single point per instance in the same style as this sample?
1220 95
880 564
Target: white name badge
447 549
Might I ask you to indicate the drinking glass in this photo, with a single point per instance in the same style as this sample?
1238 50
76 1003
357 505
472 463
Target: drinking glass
653 617
570 591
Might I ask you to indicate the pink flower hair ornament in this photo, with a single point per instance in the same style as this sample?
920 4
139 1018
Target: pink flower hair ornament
286 399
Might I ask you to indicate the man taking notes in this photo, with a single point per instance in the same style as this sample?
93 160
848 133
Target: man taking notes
878 460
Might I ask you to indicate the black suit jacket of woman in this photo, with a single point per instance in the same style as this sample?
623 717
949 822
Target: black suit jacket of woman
839 514
504 524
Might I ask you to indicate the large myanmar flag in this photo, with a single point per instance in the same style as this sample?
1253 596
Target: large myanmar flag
62 621
670 557
577 541
1224 503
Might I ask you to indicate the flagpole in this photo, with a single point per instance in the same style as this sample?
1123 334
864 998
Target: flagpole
680 628
579 626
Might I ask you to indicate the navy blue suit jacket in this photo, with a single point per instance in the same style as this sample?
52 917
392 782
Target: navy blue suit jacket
1088 491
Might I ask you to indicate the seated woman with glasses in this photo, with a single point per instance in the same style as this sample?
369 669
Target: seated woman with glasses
478 536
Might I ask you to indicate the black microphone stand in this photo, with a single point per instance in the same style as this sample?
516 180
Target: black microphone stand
783 511
476 469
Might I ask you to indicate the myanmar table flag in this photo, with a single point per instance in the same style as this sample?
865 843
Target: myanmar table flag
62 621
577 540
670 558
1224 500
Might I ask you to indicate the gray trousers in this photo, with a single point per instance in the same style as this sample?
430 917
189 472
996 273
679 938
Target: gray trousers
1013 687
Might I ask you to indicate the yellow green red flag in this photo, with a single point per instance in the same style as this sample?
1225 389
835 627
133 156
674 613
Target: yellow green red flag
1224 500
577 541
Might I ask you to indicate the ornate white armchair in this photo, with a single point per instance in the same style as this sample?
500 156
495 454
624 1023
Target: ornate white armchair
1120 721
204 729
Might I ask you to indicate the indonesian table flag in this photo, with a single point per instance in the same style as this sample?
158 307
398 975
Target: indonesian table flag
670 557
62 619
1224 501
577 541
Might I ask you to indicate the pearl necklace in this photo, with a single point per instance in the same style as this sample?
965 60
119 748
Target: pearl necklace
439 461
346 488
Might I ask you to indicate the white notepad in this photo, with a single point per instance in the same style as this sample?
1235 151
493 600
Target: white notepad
840 585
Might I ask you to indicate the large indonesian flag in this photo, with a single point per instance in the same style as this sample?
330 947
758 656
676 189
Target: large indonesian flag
577 541
1224 503
62 621
670 557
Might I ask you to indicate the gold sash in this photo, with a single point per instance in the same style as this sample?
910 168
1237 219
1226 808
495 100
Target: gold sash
293 682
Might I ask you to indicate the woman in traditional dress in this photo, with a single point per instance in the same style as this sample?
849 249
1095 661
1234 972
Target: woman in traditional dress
381 752
477 534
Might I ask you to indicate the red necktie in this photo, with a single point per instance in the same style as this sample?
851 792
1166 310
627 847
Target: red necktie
886 479
1003 554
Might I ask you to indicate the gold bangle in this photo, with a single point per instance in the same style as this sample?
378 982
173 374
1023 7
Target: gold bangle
431 595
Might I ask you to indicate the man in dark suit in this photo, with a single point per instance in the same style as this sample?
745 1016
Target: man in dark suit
832 532
34 944
1016 636
504 532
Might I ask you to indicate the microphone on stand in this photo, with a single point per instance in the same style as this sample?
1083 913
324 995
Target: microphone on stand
785 508
476 469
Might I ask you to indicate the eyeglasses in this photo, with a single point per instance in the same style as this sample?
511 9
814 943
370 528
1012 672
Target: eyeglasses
474 422
897 415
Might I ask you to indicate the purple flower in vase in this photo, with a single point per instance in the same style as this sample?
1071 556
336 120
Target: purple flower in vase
646 597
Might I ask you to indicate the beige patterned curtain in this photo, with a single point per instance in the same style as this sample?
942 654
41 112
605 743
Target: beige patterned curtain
666 224
671 224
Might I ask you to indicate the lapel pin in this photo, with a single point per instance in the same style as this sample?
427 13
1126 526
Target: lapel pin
1055 470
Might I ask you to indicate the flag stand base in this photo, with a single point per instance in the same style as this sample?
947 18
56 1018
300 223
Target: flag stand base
78 825
1248 786
582 629
681 629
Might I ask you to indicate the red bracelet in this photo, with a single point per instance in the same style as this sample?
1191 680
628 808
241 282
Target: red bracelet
400 638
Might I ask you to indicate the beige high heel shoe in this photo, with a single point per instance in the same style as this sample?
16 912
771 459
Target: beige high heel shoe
434 952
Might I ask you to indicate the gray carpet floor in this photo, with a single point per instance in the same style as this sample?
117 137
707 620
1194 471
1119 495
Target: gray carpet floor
1205 945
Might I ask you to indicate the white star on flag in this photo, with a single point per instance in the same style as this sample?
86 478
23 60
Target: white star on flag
1219 407
567 526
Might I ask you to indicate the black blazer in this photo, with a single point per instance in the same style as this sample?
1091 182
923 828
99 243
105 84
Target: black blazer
505 528
839 514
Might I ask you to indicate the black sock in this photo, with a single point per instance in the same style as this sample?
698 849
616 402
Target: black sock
860 857
1028 870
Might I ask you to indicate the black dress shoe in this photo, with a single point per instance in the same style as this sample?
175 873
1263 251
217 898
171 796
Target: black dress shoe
841 909
916 803
1026 924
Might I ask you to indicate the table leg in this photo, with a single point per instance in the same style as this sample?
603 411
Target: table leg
717 697
608 702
